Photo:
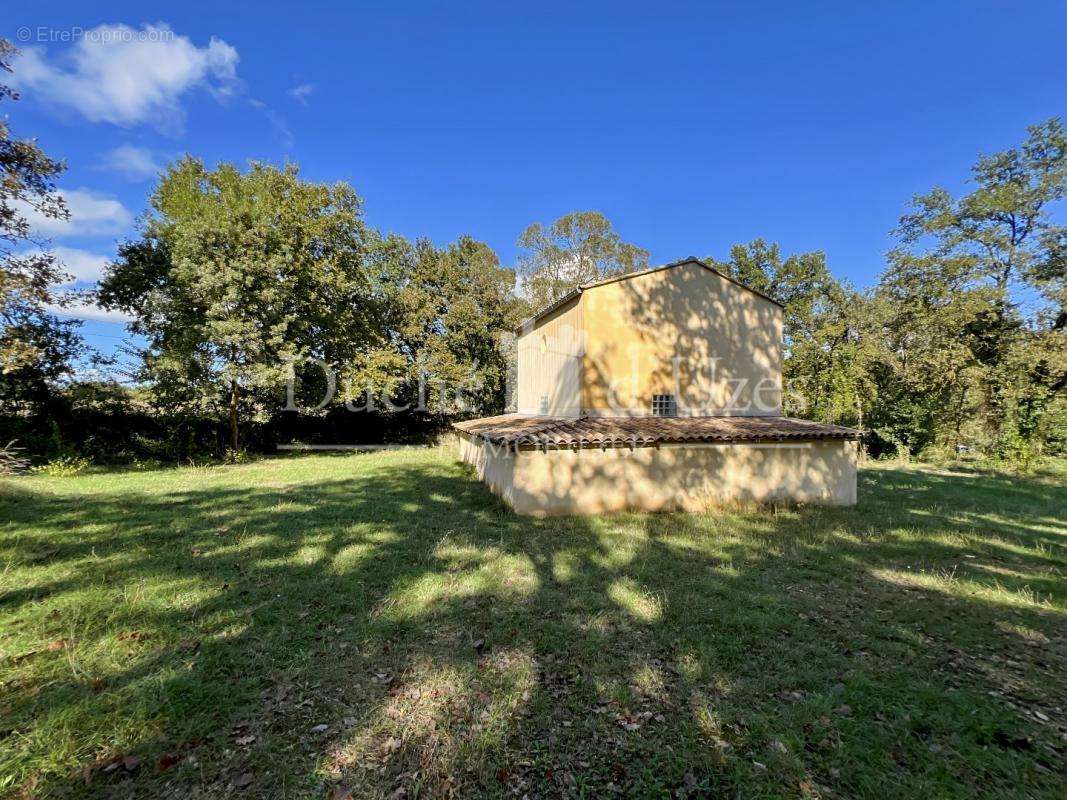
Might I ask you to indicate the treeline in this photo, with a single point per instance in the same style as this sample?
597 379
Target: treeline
244 282
240 279
962 344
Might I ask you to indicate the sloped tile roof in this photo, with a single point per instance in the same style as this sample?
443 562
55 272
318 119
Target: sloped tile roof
516 430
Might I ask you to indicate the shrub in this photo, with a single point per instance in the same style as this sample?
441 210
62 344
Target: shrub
238 456
63 467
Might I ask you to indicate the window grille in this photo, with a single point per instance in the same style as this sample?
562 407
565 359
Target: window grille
543 405
664 405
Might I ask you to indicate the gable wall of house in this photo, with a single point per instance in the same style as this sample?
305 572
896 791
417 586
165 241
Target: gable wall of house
684 331
550 363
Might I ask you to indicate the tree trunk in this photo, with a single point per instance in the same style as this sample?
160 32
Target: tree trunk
234 398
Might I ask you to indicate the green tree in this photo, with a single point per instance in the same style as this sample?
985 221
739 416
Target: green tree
239 274
1002 246
454 314
577 248
36 348
927 374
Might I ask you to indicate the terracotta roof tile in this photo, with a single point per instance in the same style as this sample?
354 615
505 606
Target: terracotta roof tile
525 431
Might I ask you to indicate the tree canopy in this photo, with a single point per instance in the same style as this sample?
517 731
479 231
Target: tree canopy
240 278
36 347
577 248
974 300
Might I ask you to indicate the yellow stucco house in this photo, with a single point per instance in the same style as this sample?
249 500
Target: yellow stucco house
658 389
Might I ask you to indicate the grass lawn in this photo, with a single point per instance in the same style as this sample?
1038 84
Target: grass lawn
379 624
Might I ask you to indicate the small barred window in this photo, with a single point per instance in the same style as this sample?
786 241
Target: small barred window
663 405
542 407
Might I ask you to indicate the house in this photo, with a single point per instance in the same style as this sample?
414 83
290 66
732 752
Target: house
660 389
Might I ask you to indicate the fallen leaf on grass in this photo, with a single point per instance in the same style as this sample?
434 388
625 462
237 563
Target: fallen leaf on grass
244 741
243 780
58 644
720 749
166 761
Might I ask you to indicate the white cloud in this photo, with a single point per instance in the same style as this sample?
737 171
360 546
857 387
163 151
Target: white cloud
86 267
132 163
300 93
81 309
83 266
90 214
118 74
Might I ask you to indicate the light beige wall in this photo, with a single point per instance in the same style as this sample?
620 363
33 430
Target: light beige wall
687 477
550 364
494 465
683 331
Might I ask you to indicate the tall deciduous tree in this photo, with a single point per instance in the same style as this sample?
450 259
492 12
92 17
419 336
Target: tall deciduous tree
1001 248
36 348
925 370
238 275
576 248
455 312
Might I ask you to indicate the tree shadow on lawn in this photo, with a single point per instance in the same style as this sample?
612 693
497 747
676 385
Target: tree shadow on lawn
912 646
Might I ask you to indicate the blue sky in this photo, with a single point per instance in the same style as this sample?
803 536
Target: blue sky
692 126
